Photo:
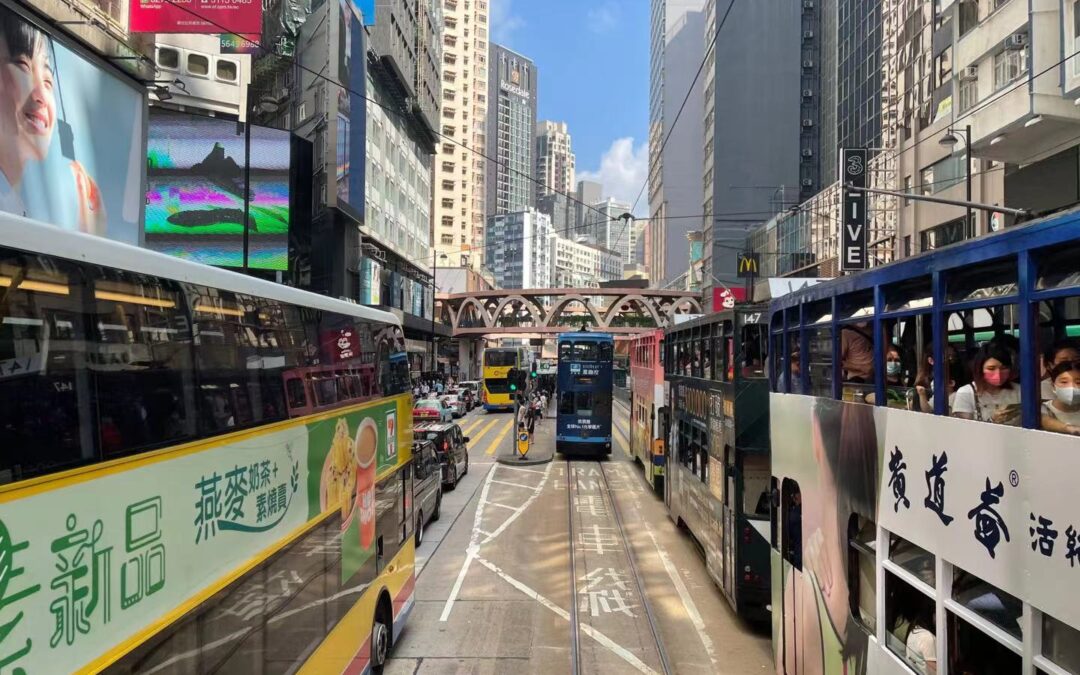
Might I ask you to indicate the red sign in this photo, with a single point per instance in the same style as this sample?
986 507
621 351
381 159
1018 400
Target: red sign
195 16
725 298
340 345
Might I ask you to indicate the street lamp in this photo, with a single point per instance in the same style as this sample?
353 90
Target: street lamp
435 257
949 140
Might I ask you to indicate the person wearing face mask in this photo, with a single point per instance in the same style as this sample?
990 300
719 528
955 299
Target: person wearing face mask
1062 413
894 380
1062 351
991 396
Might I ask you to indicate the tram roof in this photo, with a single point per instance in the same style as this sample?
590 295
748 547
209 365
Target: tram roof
586 335
1053 230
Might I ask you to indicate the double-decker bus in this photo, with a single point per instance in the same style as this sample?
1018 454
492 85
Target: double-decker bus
924 456
497 364
200 471
717 464
647 405
583 415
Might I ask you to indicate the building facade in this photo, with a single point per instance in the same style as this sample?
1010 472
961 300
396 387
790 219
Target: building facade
519 249
554 159
677 47
588 192
578 264
605 227
459 163
561 210
756 139
511 130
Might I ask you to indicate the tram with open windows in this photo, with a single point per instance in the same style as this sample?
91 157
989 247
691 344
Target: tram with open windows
924 423
648 414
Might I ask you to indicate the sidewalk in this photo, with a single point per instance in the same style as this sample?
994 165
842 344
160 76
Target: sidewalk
543 445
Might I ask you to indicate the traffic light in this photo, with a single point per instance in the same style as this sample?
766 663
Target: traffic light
532 373
516 379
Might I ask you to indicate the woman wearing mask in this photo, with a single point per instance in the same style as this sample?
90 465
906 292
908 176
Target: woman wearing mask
1062 413
991 396
1062 351
894 380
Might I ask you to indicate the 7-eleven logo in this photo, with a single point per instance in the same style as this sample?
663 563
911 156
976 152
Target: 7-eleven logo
391 434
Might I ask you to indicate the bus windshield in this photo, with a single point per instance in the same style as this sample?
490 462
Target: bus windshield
497 359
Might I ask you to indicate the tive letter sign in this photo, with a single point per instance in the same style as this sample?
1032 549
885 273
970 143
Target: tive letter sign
853 232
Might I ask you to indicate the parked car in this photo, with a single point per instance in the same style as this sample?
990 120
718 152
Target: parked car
452 446
427 485
431 409
455 404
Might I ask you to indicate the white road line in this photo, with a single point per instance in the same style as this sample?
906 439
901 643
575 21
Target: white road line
473 549
503 506
687 600
539 488
604 640
521 469
504 482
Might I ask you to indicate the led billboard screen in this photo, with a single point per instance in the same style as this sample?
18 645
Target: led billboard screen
195 16
70 136
195 191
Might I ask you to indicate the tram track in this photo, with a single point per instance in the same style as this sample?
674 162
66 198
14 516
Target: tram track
573 469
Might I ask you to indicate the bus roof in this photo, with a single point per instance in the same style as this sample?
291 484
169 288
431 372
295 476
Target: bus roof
36 237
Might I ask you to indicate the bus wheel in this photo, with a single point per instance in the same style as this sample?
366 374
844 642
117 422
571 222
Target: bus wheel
380 642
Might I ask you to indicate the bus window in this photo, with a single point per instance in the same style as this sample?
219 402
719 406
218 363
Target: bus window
755 347
862 577
294 389
820 362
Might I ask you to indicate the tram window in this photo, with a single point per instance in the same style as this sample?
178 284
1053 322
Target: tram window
755 347
1058 267
855 305
908 367
912 558
604 351
566 403
565 351
584 403
857 360
986 340
910 294
862 575
911 620
42 397
1061 643
988 601
1057 338
793 367
973 651
820 361
791 509
140 363
585 351
755 474
777 365
992 280
774 497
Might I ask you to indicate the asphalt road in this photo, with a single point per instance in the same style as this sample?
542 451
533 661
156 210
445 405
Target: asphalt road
494 585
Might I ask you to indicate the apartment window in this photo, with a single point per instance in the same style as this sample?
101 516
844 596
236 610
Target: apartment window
1008 66
907 245
968 94
447 203
907 188
168 58
943 235
197 64
447 221
969 15
926 180
448 185
446 238
226 70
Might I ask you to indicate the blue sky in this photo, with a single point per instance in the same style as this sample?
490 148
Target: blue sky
593 60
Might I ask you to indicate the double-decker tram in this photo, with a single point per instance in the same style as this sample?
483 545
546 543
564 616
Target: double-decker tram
717 464
199 471
647 409
497 364
924 452
584 381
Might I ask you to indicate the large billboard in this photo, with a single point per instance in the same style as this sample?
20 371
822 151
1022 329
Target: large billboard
195 16
352 110
70 136
196 186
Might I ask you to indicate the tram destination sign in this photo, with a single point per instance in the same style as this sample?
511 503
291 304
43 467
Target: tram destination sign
853 234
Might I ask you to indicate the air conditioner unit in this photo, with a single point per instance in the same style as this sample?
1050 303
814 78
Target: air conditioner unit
808 4
808 123
808 93
808 63
807 152
808 34
1016 41
969 74
807 182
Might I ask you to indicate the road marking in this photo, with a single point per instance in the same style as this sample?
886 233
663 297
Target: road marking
687 600
538 489
472 427
604 640
502 506
522 469
474 547
474 439
498 439
520 485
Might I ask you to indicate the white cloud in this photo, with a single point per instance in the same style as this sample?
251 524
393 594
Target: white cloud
623 170
503 21
603 18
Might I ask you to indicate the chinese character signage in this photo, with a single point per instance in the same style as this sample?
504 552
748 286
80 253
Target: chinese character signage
90 564
195 16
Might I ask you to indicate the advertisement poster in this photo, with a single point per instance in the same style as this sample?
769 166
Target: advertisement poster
195 191
345 457
71 148
352 110
195 16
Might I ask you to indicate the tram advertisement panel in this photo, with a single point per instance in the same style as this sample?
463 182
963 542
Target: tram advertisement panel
91 559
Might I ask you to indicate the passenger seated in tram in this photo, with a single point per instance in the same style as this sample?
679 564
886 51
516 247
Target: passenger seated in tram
894 381
1060 352
1061 414
925 388
992 395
